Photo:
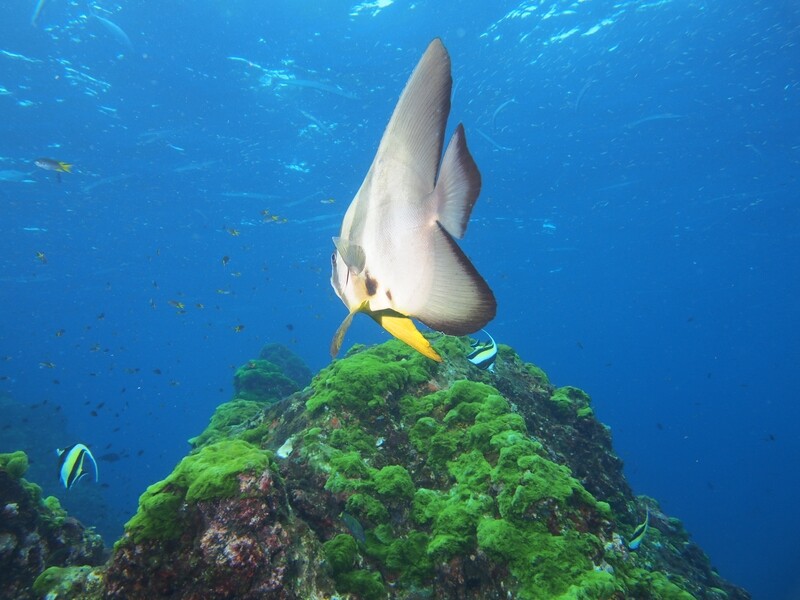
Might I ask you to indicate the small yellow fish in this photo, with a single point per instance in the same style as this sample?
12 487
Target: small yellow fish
224 292
47 365
60 332
225 260
41 257
177 304
50 164
233 232
238 328
328 201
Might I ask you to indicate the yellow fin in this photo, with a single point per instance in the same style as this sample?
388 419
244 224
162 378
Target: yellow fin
66 167
403 329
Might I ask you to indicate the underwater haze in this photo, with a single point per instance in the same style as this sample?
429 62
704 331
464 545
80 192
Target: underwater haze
638 223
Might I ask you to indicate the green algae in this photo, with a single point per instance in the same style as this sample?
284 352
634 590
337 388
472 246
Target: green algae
56 582
538 374
570 399
367 507
262 381
14 463
546 566
656 585
365 380
53 514
291 365
210 473
364 584
340 552
226 420
394 482
352 437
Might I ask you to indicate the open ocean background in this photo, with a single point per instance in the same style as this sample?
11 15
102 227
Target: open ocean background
638 224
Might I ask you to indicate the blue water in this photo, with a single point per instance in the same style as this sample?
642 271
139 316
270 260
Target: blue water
638 223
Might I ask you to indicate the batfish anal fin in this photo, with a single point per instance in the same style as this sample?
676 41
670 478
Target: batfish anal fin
459 301
415 133
403 329
352 254
458 185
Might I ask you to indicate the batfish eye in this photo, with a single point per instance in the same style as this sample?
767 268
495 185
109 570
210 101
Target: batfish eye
333 259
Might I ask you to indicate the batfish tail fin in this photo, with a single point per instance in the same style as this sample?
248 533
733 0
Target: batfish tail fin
458 185
403 329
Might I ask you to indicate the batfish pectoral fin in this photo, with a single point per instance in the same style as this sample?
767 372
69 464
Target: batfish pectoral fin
352 254
403 329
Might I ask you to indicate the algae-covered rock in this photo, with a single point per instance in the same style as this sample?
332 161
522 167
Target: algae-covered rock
291 365
213 472
262 381
397 477
227 419
14 463
36 533
219 526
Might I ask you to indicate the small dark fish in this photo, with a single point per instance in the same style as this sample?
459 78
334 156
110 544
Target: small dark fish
93 413
110 457
140 452
354 527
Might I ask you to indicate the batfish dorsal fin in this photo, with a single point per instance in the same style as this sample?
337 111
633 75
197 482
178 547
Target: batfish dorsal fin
458 185
459 300
415 132
352 254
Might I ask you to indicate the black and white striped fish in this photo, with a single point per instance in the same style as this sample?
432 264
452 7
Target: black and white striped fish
72 464
484 354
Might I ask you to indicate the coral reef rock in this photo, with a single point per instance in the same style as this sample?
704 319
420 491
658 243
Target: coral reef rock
392 476
37 536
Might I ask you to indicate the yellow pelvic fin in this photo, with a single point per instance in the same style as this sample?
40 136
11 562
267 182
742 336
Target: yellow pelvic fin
66 167
403 329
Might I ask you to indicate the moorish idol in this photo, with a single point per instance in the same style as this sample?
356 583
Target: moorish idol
72 464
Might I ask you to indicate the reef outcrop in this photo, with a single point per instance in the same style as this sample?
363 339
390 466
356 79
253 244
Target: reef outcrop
392 476
37 536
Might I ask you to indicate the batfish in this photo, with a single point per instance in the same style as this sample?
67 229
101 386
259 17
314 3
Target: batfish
396 257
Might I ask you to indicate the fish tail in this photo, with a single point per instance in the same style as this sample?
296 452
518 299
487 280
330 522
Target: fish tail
66 167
